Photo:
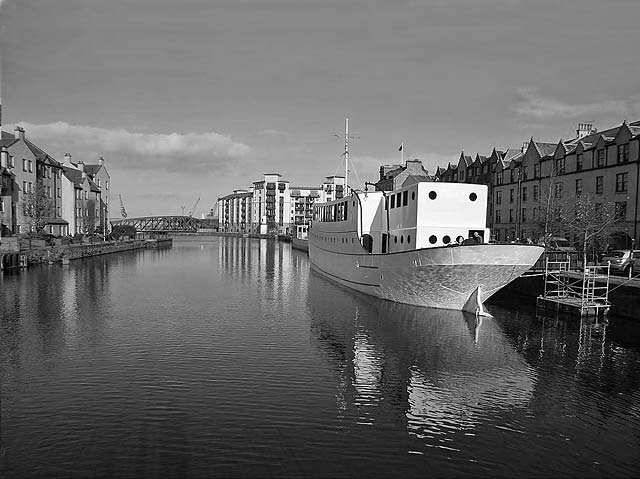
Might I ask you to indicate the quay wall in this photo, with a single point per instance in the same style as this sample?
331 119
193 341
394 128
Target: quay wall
624 295
54 254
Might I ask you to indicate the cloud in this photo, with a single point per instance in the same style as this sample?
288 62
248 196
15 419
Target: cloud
532 105
185 153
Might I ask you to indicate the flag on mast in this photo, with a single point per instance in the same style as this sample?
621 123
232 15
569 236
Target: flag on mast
401 145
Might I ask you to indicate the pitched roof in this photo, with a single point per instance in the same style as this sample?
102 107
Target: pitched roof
7 142
73 175
91 169
545 149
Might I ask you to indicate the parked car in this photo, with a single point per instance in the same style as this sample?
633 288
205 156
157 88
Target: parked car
622 260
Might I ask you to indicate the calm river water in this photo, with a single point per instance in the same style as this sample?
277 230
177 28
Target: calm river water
229 357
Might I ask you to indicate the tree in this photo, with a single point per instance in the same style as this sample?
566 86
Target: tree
550 206
37 208
89 219
120 231
590 220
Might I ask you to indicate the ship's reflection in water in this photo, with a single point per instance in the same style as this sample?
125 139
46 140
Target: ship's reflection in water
446 370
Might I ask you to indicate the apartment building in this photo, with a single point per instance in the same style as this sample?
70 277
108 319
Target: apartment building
302 200
36 192
605 164
397 176
234 211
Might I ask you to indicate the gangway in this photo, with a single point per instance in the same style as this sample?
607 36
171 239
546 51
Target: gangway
567 291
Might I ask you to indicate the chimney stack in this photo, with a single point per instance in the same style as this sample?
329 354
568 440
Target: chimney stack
67 159
4 159
84 175
525 144
81 166
19 132
584 129
101 161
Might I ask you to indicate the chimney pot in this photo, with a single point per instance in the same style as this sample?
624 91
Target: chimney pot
81 166
19 132
101 161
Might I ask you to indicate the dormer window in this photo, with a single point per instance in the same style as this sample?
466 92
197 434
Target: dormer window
623 153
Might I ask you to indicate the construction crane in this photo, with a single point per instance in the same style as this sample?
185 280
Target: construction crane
123 212
193 210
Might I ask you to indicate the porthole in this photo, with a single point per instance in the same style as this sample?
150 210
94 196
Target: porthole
433 239
413 195
432 195
408 239
353 203
473 197
402 239
352 241
446 239
395 239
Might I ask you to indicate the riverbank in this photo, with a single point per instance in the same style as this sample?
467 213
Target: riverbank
37 252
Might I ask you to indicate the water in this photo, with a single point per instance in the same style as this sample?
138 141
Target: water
228 357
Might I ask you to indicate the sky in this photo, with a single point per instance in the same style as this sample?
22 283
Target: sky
196 98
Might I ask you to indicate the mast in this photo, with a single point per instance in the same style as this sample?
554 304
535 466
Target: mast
346 156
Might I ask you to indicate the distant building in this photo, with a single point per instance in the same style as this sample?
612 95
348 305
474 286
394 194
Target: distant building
397 176
234 212
271 208
302 200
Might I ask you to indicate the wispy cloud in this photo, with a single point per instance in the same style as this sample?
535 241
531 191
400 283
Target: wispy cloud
186 153
531 104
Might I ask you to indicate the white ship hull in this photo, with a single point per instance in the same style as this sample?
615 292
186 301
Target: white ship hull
444 277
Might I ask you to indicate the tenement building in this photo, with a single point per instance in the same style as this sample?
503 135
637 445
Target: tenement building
605 164
40 194
234 212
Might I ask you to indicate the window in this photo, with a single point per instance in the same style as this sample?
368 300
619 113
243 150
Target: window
30 187
24 188
558 190
24 165
524 215
30 166
511 216
12 162
59 192
524 193
623 153
86 195
497 216
1 204
621 210
599 185
511 195
602 158
622 180
455 177
578 187
535 192
498 197
579 162
525 174
535 214
559 166
461 175
499 177
98 181
511 176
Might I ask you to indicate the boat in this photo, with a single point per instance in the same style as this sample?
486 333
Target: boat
299 239
424 244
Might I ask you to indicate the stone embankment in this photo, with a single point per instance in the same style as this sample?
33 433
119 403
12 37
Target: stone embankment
36 251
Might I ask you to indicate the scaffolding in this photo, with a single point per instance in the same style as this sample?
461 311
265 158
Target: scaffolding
571 292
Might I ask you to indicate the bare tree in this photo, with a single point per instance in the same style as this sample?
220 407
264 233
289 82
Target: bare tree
37 208
89 219
590 220
550 205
